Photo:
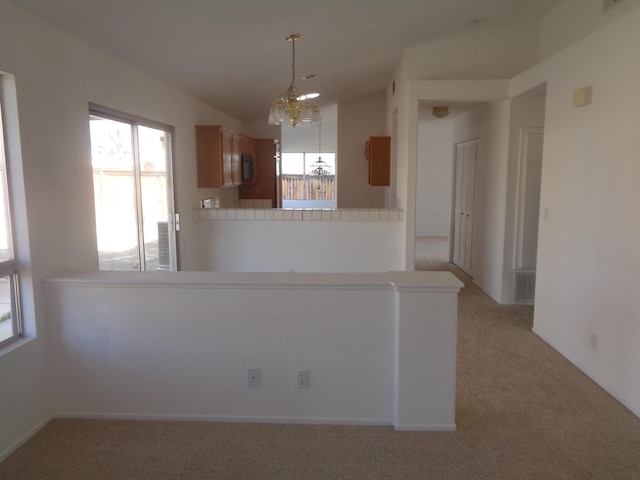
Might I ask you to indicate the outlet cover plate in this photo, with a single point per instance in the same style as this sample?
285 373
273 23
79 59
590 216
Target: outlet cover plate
302 378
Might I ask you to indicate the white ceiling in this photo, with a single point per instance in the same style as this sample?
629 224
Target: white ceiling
232 53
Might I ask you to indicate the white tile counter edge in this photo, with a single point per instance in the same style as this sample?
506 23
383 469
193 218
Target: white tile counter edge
300 214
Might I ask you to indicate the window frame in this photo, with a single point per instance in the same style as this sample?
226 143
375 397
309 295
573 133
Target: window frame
8 268
306 175
135 122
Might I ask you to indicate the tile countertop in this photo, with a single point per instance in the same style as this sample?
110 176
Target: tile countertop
298 214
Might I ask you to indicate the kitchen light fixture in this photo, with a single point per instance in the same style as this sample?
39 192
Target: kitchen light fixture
299 108
440 112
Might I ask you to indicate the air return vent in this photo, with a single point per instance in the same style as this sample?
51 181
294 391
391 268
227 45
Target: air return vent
525 286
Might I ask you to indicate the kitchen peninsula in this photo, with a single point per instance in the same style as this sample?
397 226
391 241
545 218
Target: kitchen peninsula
301 240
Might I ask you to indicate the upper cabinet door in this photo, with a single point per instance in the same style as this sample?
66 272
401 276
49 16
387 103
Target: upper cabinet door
227 158
378 153
219 156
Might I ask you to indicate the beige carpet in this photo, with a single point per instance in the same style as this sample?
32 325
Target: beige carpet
523 412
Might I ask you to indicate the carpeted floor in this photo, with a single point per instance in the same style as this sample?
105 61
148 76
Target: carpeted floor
523 412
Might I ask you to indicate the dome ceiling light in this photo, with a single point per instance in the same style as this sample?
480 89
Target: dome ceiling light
440 112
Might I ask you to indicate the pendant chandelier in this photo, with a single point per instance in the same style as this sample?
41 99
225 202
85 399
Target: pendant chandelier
299 108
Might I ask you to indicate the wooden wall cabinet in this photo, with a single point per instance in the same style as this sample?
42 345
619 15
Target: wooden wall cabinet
378 154
218 154
248 145
266 173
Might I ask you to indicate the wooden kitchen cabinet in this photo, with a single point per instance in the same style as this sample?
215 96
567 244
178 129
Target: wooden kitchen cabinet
218 154
267 176
248 145
378 154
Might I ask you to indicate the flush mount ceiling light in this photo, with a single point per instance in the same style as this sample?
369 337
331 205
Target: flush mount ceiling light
440 112
299 108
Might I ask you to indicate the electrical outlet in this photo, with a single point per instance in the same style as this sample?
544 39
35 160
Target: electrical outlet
254 377
302 378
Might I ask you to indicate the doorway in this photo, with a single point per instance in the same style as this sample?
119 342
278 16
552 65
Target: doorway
528 213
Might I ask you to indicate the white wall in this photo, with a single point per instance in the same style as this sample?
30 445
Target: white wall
301 246
527 111
357 120
489 224
587 277
467 126
23 366
115 333
127 339
482 53
573 20
304 138
56 78
261 129
434 175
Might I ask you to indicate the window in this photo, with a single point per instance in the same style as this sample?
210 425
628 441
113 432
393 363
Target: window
10 319
309 177
133 192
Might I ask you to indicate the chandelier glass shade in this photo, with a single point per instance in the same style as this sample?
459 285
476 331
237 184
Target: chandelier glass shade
299 108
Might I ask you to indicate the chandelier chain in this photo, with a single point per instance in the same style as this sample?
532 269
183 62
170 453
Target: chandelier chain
293 64
300 109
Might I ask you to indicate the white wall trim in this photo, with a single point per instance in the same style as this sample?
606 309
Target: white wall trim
24 438
223 419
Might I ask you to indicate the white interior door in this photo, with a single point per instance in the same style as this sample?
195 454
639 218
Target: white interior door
464 204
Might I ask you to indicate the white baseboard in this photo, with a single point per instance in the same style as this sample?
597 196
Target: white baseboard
449 427
24 438
223 419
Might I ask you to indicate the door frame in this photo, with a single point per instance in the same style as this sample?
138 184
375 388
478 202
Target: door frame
454 215
172 216
521 192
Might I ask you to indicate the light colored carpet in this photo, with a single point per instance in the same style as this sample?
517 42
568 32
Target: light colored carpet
523 412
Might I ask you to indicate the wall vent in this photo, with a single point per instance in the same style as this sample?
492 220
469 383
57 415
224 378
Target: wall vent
525 286
608 4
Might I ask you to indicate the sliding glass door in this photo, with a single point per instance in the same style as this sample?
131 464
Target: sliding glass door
135 221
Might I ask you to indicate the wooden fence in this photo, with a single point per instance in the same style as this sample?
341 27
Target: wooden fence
308 187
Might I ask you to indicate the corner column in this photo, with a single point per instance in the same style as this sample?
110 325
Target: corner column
426 317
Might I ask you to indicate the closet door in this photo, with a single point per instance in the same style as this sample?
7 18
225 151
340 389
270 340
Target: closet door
464 204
